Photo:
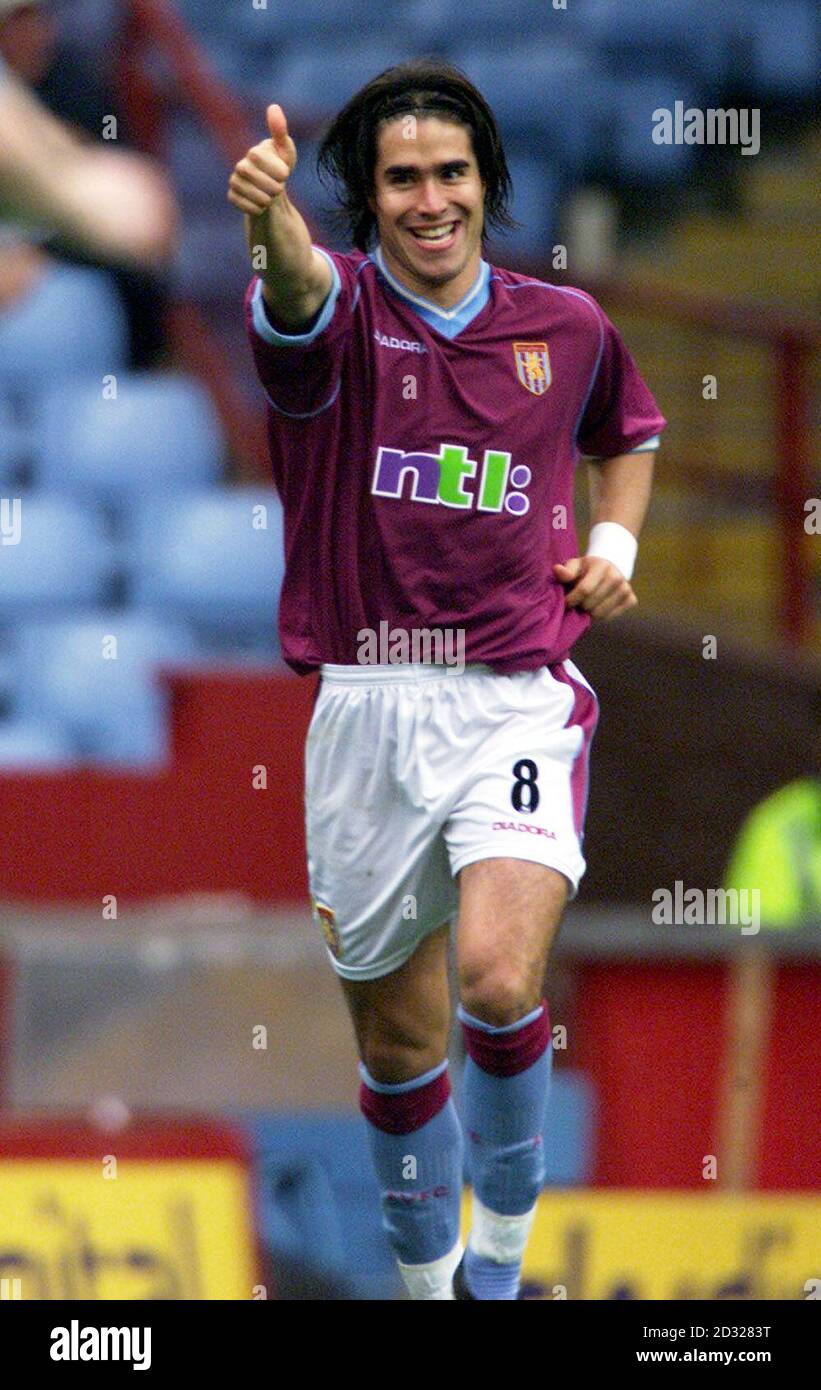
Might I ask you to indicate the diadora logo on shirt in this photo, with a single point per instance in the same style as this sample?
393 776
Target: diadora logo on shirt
409 344
445 478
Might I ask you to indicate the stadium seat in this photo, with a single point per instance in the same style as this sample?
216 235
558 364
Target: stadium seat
686 37
197 165
224 40
440 23
159 434
540 93
783 48
207 19
304 23
214 239
315 82
104 691
71 324
319 1198
11 441
242 42
91 26
630 150
303 1215
27 744
314 199
201 558
535 205
54 555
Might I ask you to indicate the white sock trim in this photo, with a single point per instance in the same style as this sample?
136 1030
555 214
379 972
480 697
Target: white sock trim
499 1238
433 1280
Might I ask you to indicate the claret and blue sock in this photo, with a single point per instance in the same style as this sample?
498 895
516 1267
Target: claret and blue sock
417 1148
505 1093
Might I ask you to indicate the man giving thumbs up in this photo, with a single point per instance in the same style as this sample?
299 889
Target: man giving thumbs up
295 279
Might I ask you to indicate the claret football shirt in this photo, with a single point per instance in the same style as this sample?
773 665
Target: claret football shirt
425 458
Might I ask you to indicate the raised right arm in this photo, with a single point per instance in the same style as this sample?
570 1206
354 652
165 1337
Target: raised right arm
296 279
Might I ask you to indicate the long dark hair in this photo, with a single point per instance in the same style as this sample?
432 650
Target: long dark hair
423 87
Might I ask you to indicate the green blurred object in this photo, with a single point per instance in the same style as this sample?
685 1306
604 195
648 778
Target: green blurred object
778 851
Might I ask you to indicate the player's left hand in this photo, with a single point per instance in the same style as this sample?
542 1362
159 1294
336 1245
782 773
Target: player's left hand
598 586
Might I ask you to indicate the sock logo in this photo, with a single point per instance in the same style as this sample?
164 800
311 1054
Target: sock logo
441 478
405 1199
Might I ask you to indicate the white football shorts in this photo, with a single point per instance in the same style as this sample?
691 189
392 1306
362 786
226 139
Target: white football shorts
414 771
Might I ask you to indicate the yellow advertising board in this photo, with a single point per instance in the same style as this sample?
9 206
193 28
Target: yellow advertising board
140 1229
638 1245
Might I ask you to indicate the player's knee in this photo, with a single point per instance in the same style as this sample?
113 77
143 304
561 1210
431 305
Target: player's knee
392 1062
496 994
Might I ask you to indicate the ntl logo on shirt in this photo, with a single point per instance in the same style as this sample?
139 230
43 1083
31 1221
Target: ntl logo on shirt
441 478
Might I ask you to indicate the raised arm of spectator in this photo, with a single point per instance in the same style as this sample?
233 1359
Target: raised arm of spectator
112 204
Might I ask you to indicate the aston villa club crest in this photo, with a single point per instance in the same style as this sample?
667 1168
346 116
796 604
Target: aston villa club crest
325 917
533 366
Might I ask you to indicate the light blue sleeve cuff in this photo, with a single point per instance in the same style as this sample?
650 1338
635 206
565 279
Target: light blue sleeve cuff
636 449
271 335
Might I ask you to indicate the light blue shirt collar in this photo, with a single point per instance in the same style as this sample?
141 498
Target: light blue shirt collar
451 321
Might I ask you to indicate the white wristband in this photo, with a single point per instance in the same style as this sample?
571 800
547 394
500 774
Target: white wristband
615 543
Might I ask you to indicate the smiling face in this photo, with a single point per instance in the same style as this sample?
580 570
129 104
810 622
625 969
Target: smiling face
429 205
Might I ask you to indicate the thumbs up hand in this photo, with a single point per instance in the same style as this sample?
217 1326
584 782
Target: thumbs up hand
261 175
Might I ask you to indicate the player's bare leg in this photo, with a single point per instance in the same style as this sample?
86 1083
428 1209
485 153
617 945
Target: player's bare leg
402 1021
509 914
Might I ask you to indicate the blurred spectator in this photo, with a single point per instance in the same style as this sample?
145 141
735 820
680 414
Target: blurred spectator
34 48
113 203
778 850
28 35
107 205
